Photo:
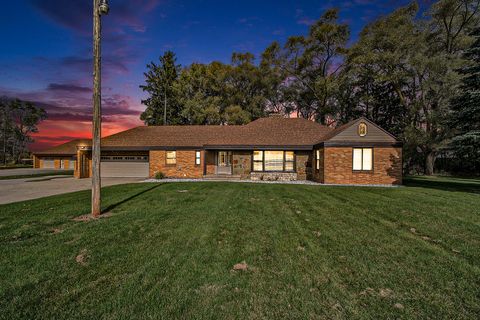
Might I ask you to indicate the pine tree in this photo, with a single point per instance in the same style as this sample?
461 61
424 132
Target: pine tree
466 110
162 105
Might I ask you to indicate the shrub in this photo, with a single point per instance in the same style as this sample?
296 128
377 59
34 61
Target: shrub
159 175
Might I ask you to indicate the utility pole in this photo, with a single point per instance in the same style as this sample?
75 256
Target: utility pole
100 7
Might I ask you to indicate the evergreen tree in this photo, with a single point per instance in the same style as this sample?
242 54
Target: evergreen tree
162 104
465 117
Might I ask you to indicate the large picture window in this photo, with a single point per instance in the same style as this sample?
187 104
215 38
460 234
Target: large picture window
171 157
273 161
362 159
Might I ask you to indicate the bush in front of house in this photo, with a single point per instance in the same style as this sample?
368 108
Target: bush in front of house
159 175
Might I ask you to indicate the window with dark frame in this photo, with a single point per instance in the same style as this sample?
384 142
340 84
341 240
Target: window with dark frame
257 160
171 157
362 159
274 161
197 158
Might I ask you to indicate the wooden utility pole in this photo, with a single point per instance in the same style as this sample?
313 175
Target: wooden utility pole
99 7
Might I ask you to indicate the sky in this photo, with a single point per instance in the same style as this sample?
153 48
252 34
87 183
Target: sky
46 49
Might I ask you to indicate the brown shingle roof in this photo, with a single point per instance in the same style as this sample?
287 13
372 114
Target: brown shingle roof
272 131
266 132
68 148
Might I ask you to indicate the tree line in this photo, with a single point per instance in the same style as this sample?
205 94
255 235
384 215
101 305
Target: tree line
18 120
415 74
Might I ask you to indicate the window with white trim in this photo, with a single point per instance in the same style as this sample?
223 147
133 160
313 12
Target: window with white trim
197 158
317 159
362 159
171 157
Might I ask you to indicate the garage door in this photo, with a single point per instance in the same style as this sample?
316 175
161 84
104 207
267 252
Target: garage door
48 164
124 167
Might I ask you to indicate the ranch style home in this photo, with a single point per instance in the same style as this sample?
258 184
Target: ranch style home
272 148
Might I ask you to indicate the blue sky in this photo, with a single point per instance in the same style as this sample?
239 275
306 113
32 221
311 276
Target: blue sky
46 48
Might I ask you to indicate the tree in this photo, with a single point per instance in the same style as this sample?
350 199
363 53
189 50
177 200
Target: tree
308 66
407 65
162 104
19 121
465 113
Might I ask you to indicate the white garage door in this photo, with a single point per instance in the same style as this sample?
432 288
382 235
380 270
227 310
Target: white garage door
124 167
48 164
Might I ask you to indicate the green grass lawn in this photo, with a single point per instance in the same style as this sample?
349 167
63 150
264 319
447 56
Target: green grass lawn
167 252
36 175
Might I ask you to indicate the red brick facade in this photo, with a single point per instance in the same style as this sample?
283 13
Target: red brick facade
338 166
184 168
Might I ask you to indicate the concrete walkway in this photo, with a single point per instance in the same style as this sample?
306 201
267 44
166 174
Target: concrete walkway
33 188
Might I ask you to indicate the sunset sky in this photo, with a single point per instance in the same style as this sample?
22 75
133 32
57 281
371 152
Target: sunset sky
46 49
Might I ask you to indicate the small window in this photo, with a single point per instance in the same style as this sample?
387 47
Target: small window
257 160
289 160
362 159
317 160
171 157
197 158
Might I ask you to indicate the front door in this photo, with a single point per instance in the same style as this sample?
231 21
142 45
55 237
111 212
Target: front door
224 162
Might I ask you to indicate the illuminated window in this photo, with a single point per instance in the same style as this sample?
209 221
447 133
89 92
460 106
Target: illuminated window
362 159
289 161
317 159
273 161
171 157
257 160
197 158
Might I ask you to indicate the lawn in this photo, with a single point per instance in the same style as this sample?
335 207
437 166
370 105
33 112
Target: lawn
167 251
36 175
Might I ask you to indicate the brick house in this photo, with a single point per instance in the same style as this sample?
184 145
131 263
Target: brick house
273 148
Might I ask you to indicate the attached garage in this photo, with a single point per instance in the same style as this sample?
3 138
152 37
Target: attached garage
48 164
124 166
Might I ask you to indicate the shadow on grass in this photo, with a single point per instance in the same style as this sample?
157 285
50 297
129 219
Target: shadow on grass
445 184
136 195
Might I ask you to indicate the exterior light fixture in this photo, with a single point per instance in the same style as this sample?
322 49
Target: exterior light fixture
103 7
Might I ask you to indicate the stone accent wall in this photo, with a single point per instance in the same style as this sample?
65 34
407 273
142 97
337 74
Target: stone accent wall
387 166
242 163
274 176
184 168
303 164
318 175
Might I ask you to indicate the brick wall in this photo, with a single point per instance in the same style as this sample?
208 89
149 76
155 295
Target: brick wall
387 166
184 168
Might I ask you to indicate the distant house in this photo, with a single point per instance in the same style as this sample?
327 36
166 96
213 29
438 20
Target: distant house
273 148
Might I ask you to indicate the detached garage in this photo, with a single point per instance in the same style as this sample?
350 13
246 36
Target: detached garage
124 166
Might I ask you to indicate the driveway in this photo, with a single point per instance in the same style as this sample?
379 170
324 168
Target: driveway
33 188
26 171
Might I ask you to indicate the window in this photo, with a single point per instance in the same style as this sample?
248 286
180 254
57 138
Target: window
171 157
197 158
317 159
257 160
362 159
273 161
289 161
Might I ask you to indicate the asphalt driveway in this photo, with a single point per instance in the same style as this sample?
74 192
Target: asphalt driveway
33 188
